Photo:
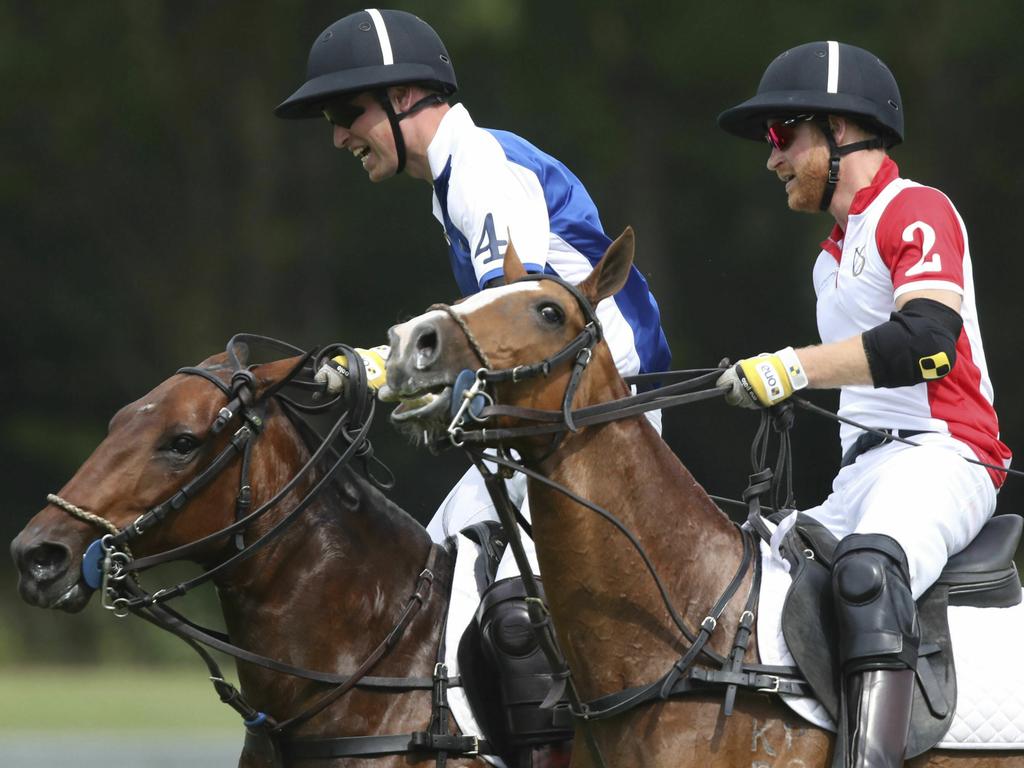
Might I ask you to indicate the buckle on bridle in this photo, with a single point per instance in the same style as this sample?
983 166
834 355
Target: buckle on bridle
774 688
224 415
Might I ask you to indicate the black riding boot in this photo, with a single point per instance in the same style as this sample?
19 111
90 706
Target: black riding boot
878 716
879 638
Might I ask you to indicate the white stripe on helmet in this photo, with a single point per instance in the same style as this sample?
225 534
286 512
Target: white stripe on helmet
382 36
833 67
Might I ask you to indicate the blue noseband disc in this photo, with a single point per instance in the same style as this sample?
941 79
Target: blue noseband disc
92 565
464 381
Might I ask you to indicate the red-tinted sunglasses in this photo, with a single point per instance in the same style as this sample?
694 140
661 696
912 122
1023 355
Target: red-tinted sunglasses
342 112
780 135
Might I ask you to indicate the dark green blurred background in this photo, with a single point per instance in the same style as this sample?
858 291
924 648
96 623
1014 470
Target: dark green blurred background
151 206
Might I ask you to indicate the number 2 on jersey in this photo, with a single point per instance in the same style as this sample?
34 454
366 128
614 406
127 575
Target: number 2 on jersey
489 242
929 262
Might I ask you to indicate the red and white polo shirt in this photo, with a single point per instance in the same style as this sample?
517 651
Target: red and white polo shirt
902 237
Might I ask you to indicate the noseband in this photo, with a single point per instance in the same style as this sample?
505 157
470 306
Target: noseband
469 391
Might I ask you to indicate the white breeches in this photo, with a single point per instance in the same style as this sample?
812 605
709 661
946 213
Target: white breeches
469 503
927 498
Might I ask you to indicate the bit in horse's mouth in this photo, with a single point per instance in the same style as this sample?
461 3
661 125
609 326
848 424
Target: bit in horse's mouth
422 406
73 600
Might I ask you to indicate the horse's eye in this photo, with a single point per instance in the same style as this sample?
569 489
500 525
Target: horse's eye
551 313
183 445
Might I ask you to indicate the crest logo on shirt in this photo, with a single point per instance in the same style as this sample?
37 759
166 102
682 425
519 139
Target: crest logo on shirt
858 261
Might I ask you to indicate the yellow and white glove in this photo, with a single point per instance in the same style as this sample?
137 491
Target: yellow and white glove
765 380
334 373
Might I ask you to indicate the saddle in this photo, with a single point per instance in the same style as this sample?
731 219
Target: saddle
982 575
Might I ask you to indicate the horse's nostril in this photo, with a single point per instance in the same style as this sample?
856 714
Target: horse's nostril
47 561
426 348
427 342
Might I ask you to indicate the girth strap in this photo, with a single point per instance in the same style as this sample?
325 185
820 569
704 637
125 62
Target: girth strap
366 746
696 680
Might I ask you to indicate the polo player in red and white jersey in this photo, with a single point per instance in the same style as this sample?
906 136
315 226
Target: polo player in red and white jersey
900 337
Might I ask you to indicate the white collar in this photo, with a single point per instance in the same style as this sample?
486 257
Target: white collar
440 149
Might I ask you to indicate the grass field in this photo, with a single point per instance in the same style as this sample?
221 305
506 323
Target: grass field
113 698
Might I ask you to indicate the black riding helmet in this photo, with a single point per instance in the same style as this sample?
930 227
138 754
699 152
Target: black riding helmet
824 78
369 51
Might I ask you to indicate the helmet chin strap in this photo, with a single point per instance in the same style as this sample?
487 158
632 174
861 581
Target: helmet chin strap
395 118
836 152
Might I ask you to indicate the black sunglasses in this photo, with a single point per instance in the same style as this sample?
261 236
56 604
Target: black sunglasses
342 112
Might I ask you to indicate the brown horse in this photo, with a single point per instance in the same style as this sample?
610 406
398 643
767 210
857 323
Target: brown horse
322 596
611 621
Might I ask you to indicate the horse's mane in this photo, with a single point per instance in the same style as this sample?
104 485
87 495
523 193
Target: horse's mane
352 486
353 481
312 440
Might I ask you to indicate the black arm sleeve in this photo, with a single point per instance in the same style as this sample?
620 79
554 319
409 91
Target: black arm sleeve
917 344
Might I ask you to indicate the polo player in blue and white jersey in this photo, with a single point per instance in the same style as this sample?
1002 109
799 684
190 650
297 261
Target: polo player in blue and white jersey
384 80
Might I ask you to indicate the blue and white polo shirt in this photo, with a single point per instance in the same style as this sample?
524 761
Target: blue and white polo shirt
490 183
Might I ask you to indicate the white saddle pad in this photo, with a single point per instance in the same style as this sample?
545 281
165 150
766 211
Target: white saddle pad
990 689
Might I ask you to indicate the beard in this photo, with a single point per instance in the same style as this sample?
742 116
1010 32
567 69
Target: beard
809 184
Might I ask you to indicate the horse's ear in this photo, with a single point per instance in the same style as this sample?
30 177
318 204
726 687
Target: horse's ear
269 374
512 266
612 271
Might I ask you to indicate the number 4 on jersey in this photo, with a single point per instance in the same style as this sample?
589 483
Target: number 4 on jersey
489 242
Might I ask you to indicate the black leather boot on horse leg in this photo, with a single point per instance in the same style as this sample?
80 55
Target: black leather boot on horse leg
879 638
511 644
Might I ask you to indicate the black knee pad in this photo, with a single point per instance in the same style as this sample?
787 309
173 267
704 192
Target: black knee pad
510 644
878 627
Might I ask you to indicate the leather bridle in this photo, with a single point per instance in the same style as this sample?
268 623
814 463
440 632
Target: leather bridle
471 400
578 351
108 563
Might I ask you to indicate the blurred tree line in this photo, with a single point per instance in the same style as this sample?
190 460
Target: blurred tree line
151 206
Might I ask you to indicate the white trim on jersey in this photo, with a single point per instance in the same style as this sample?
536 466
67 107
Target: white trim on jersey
833 67
927 285
382 36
